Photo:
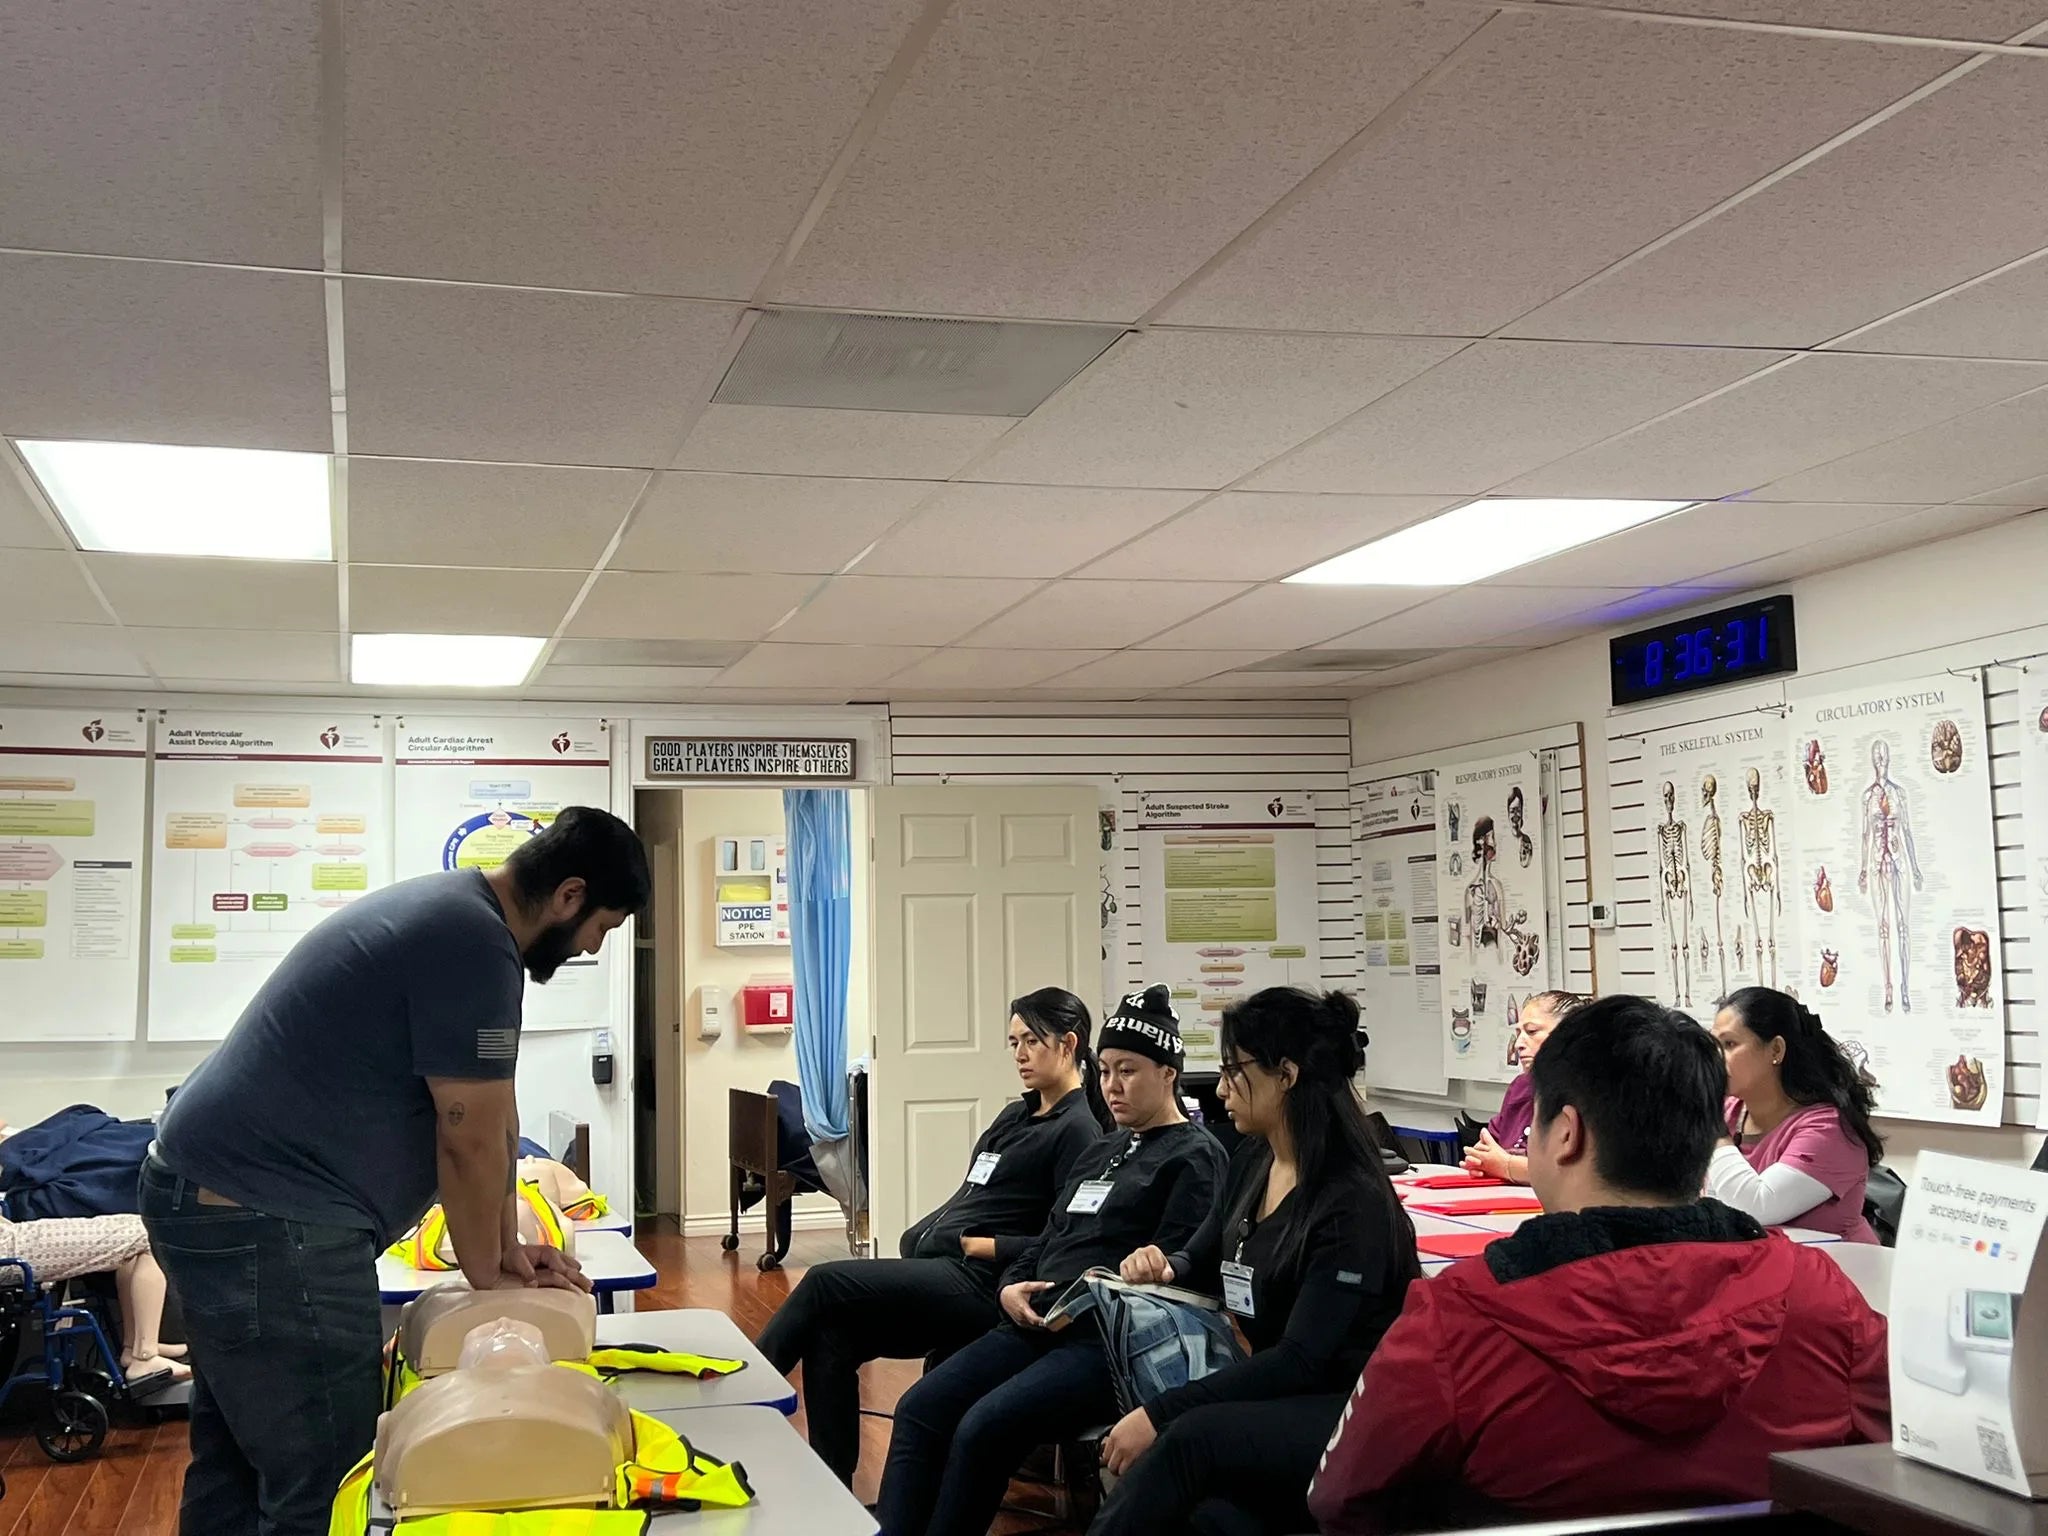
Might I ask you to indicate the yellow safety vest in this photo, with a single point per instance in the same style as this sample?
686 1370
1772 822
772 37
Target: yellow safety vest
666 1473
427 1247
607 1363
530 1522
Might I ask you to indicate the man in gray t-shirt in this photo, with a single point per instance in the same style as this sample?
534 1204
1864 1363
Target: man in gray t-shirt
371 1071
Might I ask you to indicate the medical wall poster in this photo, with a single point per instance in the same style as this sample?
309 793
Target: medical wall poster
71 835
1968 1330
2034 801
264 826
1897 889
470 790
1227 884
1400 981
1718 797
1492 859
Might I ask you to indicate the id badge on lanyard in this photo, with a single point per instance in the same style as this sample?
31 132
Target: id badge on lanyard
1237 1288
1088 1197
984 1167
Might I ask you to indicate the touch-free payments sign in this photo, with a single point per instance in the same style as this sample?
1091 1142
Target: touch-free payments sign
747 757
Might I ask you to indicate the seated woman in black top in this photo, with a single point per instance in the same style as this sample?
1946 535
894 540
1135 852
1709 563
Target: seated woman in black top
963 1429
1310 1250
942 1292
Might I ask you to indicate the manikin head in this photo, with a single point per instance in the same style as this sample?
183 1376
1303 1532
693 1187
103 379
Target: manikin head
1709 786
1880 757
1755 781
1670 799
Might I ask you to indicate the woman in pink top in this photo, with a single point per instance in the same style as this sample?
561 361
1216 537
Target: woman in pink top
1501 1150
1800 1145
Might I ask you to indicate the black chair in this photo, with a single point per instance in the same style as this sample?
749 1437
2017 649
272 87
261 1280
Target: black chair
1884 1201
1468 1130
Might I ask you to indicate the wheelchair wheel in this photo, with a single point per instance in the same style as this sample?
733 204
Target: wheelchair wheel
730 1241
768 1261
71 1426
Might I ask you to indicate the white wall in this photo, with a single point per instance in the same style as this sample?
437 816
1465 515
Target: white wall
1973 588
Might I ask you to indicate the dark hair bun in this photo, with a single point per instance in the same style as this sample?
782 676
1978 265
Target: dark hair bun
1337 1019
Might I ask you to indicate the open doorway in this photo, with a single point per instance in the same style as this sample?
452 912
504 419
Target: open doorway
689 1050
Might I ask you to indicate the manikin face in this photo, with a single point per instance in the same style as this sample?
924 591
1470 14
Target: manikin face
1136 1088
1042 1062
1752 1064
1880 757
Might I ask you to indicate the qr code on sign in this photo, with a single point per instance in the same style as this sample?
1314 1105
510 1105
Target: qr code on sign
1997 1455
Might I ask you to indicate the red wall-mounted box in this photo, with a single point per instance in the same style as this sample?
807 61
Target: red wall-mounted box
768 1005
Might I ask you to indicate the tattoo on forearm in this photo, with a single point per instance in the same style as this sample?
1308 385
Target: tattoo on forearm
455 1115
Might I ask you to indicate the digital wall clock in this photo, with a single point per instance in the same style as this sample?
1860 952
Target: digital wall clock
1731 645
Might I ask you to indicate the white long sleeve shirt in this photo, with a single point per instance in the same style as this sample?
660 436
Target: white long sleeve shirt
1777 1197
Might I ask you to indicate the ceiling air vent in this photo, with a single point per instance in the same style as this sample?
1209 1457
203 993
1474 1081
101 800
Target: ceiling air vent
850 362
1338 661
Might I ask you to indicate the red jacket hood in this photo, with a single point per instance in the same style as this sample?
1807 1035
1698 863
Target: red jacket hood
1664 1335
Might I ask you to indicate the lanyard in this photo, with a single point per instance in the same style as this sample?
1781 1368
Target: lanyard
1118 1161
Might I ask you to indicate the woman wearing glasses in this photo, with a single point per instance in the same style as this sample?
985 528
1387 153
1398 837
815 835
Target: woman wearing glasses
1311 1252
963 1429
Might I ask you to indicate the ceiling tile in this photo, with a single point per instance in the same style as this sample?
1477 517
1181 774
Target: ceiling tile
446 600
700 522
1556 145
1620 613
1154 669
179 592
126 351
1979 21
22 525
269 656
427 512
2024 493
188 131
1058 157
563 145
628 682
1262 537
45 586
1814 409
1437 666
1282 618
1227 687
1935 195
1500 408
1908 532
1017 530
1081 614
900 610
820 666
97 650
1474 615
1676 549
1961 457
784 440
639 605
442 371
1201 408
2003 316
959 668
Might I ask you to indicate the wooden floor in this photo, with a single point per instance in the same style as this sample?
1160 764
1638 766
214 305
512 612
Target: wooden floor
131 1488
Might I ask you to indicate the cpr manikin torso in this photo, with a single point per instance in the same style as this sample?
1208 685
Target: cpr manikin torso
434 1325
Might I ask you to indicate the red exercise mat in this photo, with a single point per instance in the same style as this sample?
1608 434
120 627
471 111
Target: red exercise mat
1454 1181
1495 1205
1455 1245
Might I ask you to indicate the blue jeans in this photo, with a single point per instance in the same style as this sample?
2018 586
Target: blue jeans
963 1429
286 1334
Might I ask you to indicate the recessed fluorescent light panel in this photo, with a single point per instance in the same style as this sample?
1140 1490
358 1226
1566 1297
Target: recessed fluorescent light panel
442 661
153 499
1481 539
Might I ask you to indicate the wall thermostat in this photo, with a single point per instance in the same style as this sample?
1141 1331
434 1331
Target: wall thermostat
1600 917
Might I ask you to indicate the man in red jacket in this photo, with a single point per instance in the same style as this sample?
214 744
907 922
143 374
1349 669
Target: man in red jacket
1635 1347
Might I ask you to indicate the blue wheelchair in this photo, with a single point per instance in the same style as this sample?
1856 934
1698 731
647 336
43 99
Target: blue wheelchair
61 1350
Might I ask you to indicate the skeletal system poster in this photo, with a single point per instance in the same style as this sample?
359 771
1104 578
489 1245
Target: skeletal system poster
1491 859
266 825
1229 895
1898 891
1716 799
470 791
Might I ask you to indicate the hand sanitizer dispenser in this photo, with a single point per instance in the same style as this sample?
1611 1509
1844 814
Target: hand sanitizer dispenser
711 1008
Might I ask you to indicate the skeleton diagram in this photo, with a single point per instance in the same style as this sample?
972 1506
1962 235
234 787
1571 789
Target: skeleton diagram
1710 854
1888 853
1675 894
1762 900
1484 898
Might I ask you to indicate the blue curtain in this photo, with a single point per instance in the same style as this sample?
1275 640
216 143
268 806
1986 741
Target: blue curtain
821 944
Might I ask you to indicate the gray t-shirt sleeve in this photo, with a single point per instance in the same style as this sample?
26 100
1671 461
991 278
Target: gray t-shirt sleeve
462 1026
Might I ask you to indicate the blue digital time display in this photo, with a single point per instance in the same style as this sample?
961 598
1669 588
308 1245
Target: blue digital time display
1732 645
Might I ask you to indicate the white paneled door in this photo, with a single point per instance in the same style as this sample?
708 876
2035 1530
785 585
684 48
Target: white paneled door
981 895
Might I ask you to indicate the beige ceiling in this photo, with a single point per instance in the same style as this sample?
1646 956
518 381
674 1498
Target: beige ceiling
1373 257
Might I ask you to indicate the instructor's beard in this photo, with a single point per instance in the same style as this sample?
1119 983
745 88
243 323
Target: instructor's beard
552 947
